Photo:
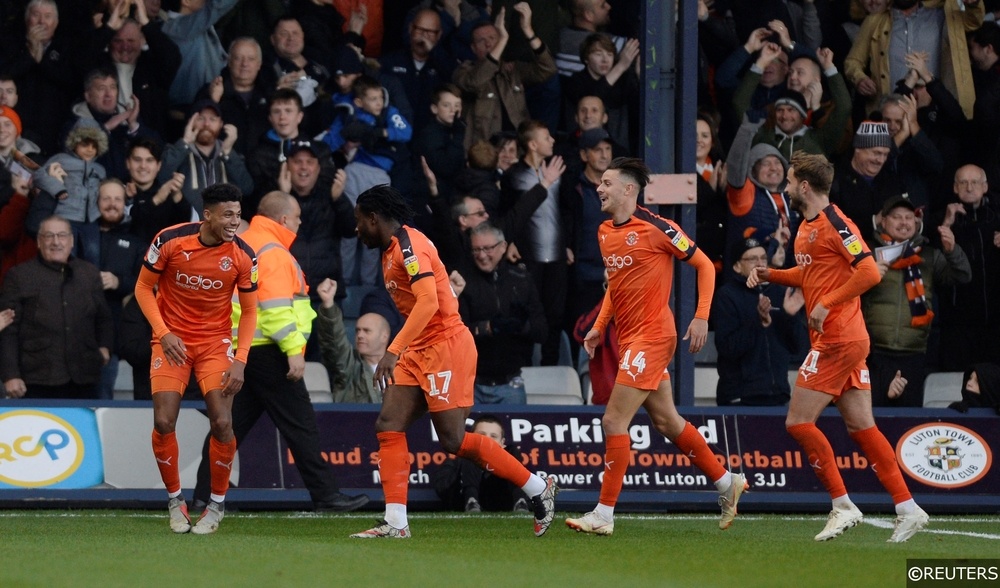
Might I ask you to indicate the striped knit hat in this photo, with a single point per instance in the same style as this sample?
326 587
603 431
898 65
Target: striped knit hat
872 134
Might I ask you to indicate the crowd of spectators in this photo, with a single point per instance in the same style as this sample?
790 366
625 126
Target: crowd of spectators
900 95
496 120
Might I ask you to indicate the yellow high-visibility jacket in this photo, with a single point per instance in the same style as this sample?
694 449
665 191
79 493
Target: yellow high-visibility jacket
284 314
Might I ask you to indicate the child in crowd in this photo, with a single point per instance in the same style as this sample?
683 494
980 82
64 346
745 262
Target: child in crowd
463 485
376 131
73 177
441 142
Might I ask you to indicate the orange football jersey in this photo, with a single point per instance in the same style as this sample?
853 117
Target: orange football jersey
196 282
640 275
412 257
827 248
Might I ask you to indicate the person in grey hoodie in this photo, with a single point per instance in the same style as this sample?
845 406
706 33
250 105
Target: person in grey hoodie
757 205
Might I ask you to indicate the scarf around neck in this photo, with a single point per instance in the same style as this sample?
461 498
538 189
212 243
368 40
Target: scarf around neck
909 262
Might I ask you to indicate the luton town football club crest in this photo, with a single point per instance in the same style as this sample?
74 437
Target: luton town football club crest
632 238
225 264
944 455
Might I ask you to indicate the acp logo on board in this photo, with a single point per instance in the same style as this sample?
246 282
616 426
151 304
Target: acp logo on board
56 448
944 455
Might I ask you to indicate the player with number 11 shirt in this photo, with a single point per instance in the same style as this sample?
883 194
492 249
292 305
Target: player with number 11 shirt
834 267
639 249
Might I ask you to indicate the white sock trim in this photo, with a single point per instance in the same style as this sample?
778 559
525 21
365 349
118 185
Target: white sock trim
395 515
534 486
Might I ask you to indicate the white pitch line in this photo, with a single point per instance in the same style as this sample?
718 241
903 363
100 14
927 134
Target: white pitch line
884 524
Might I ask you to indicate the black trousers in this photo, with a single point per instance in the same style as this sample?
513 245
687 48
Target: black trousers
266 389
551 281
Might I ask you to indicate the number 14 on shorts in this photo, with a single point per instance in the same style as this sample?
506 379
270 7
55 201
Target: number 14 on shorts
638 362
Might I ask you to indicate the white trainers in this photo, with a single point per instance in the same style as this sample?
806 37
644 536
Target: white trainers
907 525
544 506
383 530
210 519
180 522
730 498
839 521
592 523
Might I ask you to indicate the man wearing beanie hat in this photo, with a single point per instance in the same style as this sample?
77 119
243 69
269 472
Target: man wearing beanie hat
897 310
756 202
15 176
790 132
13 147
863 183
757 333
7 112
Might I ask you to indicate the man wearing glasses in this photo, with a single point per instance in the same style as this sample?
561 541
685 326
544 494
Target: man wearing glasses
500 305
969 312
62 331
757 332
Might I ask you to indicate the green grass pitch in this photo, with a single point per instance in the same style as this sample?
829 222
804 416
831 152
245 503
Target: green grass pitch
108 548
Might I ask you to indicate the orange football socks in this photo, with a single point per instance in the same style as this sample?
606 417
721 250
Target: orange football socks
616 457
692 444
393 466
821 457
165 451
488 454
220 457
883 461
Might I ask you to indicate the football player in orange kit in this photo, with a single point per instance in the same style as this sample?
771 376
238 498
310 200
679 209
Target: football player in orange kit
429 367
197 267
639 248
834 268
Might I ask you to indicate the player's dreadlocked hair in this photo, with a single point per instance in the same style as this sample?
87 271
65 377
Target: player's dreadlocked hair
632 168
386 202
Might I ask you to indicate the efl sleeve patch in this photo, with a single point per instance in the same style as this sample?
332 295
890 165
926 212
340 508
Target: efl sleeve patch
153 254
412 265
681 242
853 245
